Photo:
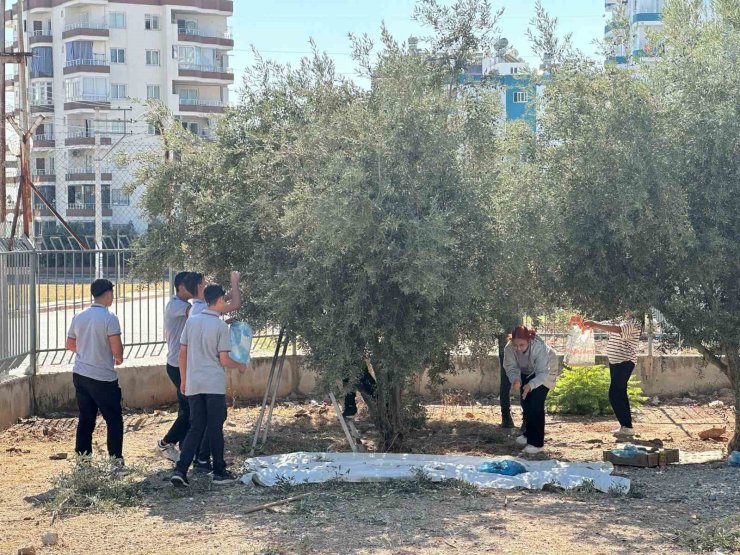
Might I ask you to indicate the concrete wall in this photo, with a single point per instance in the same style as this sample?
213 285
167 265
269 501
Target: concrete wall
15 401
149 385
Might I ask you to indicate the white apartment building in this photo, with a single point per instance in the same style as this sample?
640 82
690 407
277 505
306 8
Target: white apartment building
645 18
93 58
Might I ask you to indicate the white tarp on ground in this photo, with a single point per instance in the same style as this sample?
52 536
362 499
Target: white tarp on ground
298 468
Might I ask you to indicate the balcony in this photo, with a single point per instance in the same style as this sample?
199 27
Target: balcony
648 11
205 36
87 173
88 102
87 209
96 64
43 105
40 37
226 6
79 136
43 176
202 105
93 29
198 71
44 140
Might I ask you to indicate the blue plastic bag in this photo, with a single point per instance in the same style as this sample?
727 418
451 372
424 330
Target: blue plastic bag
734 458
241 342
506 467
629 450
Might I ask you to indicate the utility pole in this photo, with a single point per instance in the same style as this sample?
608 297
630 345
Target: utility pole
98 200
3 148
24 110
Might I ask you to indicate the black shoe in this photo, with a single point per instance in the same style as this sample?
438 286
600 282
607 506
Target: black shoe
507 422
224 478
179 480
350 405
202 466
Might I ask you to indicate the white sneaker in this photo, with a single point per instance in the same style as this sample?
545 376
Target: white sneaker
532 450
521 440
168 451
624 431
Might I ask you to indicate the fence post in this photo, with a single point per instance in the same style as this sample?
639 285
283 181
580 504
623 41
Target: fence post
33 310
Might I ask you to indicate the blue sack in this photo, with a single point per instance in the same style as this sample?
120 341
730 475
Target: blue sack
506 467
241 342
734 458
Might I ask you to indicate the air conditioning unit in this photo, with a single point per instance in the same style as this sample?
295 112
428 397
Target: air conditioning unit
76 153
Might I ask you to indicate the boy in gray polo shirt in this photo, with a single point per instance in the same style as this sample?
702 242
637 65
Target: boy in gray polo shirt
204 353
175 315
95 337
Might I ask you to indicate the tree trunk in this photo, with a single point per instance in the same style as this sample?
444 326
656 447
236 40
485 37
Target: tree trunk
389 413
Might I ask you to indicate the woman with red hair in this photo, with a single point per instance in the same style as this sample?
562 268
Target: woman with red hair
532 367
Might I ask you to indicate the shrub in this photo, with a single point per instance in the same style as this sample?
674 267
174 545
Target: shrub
92 485
585 390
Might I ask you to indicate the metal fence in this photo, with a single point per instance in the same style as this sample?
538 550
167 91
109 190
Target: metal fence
63 282
17 296
42 290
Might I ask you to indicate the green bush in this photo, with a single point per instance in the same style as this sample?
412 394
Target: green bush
585 390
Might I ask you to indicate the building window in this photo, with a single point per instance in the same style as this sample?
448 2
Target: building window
119 198
151 22
117 127
152 92
520 97
42 93
118 92
117 20
514 70
117 56
152 57
155 129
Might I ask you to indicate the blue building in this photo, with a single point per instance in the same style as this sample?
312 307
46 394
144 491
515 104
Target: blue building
507 72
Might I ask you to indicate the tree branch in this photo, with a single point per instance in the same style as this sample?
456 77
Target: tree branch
706 353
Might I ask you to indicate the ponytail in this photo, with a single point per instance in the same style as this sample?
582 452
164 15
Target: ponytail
522 332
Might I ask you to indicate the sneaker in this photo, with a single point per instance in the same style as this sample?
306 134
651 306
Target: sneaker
521 440
119 468
624 431
168 450
179 480
202 466
224 478
531 450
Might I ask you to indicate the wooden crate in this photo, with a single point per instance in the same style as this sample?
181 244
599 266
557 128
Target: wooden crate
644 459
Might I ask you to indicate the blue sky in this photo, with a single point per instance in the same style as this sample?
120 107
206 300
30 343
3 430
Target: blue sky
281 29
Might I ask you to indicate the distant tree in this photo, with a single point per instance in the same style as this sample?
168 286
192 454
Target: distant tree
640 170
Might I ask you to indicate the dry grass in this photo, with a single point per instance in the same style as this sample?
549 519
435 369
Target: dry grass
393 517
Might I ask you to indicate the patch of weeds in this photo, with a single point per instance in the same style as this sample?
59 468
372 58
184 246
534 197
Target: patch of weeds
586 490
720 535
94 485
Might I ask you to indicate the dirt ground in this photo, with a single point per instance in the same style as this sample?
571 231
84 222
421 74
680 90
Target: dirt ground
660 515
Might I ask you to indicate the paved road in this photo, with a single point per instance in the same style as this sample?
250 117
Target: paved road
141 321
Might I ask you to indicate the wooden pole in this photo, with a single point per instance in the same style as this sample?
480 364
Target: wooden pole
25 170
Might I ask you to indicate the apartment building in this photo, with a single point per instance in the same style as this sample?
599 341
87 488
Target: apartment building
644 18
94 64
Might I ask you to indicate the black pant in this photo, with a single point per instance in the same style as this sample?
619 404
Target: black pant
207 417
534 413
180 426
620 375
365 385
94 395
